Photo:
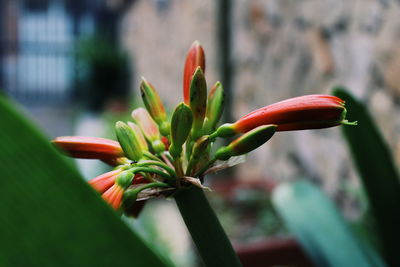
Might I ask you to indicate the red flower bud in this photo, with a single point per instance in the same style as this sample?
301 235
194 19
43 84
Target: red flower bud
114 196
299 113
89 147
103 182
195 58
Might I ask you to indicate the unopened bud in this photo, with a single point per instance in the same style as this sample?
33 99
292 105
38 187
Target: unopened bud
199 149
154 106
128 141
298 113
149 128
198 101
114 196
215 107
103 182
247 142
139 136
181 124
195 58
89 147
124 179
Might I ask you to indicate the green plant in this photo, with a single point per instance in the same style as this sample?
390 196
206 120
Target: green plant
56 219
156 157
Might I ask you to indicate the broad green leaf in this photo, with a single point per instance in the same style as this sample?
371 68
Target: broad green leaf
378 174
49 215
321 230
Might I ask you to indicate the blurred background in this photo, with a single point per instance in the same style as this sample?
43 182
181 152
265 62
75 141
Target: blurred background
75 68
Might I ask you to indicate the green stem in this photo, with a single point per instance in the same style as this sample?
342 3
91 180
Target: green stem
144 163
151 170
213 136
206 231
150 156
178 167
151 185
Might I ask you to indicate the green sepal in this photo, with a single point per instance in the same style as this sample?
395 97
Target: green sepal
181 124
247 142
127 139
124 179
215 107
198 101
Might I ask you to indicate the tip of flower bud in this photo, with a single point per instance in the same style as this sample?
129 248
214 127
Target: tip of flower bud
198 100
89 147
146 123
114 196
158 146
181 124
128 141
195 58
225 130
154 105
247 142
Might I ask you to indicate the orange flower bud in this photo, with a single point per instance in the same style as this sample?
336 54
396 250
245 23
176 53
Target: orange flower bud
299 113
113 196
89 147
195 58
103 182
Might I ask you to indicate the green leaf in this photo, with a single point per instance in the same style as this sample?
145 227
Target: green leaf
321 230
378 174
49 215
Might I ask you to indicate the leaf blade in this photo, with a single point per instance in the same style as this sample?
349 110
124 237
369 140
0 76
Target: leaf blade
50 215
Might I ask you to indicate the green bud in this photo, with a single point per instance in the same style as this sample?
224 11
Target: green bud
181 124
215 107
127 139
124 179
146 124
139 136
149 128
225 130
199 150
154 105
158 146
247 142
198 101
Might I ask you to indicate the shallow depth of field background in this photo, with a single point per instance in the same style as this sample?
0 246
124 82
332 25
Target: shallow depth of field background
75 68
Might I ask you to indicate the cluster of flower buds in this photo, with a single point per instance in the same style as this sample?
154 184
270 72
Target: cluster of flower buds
155 156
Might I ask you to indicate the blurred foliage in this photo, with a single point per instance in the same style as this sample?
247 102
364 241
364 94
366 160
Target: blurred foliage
378 174
320 228
104 73
50 215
